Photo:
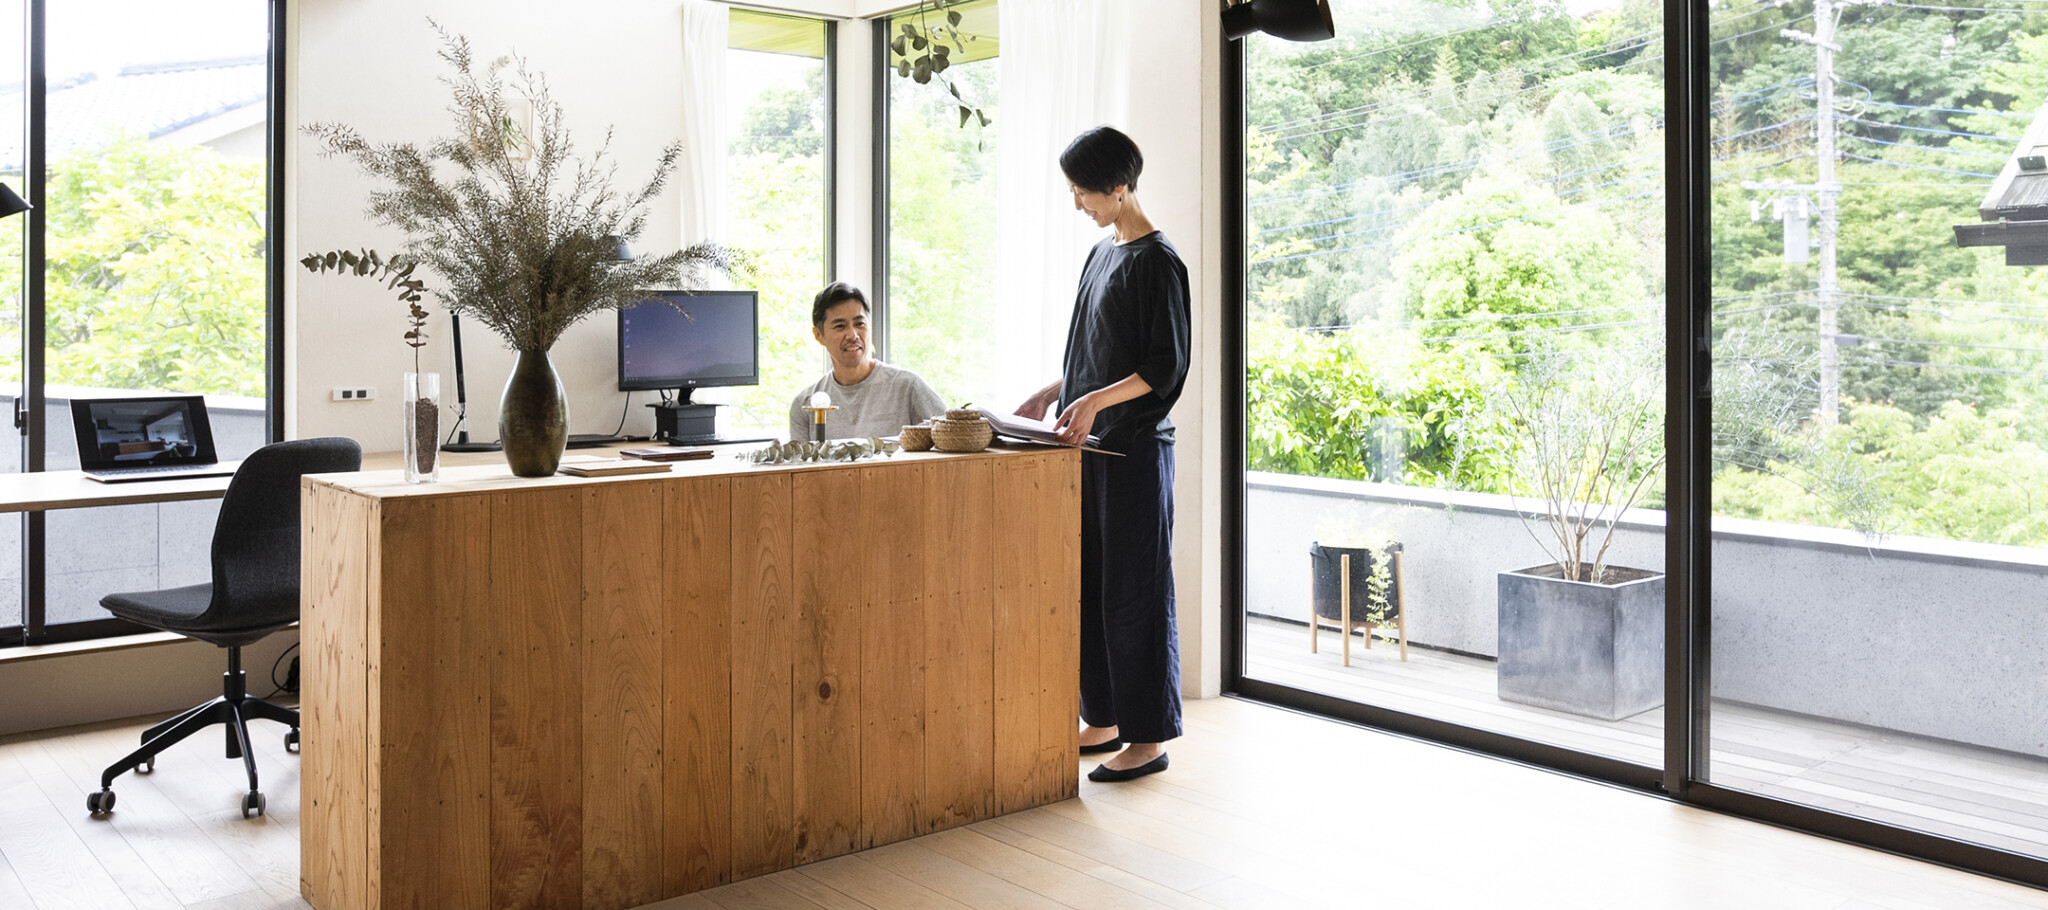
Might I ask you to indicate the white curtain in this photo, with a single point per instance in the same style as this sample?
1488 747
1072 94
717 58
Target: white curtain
701 173
1063 69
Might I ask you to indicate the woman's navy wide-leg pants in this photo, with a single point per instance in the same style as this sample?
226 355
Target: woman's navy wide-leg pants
1130 649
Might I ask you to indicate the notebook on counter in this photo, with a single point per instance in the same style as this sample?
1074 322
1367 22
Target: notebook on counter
667 453
606 467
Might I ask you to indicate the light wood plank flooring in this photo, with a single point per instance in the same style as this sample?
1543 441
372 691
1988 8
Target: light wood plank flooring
1979 795
1262 809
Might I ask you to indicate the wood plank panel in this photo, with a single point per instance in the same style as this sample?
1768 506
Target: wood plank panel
336 867
1021 780
1059 550
959 710
892 789
763 629
537 698
697 684
825 690
431 818
623 809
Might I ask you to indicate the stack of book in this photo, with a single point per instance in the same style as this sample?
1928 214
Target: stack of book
667 453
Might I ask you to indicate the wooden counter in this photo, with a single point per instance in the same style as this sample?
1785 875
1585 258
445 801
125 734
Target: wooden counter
567 692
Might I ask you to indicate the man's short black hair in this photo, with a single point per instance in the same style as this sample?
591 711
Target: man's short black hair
836 293
1101 160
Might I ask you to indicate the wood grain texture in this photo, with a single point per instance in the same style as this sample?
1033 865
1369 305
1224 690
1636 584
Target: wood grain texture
1020 777
763 628
697 684
826 679
431 818
537 699
1059 571
892 789
336 869
958 569
623 810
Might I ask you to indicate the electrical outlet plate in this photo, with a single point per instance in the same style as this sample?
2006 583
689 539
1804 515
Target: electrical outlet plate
354 393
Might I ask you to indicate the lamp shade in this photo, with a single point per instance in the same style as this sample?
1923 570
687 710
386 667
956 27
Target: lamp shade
1294 20
11 204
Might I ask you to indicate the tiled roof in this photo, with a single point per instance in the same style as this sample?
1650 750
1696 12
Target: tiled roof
153 100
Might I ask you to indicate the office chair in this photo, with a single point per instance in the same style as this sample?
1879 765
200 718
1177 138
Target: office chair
254 592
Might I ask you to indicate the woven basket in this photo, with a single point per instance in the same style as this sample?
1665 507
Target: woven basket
961 435
916 438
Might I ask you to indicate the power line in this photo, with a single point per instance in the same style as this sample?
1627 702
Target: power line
1920 167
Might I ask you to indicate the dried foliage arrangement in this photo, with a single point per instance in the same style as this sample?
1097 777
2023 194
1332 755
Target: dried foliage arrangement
522 234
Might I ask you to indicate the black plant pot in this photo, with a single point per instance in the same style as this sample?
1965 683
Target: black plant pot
1579 647
1326 585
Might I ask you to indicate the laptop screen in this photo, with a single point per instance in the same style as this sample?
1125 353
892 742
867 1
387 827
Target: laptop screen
156 431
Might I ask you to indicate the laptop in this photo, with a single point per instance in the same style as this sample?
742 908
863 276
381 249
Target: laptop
156 437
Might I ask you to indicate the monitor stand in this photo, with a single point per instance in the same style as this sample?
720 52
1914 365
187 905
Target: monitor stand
684 419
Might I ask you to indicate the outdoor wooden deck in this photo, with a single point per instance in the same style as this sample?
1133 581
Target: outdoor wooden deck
1985 796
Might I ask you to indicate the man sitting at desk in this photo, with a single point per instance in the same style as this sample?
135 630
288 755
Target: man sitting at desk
874 398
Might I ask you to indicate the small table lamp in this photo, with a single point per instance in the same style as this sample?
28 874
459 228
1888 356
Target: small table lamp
820 404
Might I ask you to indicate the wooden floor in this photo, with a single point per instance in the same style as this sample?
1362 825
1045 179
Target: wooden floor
1262 809
1980 795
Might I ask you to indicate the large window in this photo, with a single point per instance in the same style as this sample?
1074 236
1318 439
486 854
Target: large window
1453 345
939 252
147 158
778 185
1458 338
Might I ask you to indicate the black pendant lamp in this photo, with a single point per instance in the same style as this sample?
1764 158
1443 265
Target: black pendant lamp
10 203
1294 20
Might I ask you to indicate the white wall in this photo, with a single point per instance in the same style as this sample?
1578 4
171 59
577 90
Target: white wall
371 64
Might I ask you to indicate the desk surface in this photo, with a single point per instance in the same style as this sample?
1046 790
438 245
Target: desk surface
43 491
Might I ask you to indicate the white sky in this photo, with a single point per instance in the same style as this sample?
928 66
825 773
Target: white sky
106 35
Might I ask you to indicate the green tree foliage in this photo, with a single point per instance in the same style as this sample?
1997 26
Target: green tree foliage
1364 405
155 270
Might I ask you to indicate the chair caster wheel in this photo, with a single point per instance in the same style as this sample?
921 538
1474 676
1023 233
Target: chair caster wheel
147 765
252 805
100 803
291 740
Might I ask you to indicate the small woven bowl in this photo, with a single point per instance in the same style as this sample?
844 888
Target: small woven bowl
961 435
916 438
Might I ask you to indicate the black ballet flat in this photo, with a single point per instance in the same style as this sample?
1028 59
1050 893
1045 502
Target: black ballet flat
1103 775
1110 746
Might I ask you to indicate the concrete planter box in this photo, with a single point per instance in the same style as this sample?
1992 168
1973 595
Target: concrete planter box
1590 649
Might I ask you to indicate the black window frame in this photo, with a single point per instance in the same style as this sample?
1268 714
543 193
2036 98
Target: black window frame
1683 776
34 630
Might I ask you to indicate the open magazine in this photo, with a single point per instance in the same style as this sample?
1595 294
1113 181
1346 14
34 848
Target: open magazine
1029 430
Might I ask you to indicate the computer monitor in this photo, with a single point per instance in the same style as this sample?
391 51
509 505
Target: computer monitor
716 344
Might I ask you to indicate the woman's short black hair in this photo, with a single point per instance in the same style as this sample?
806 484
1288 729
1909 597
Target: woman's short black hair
1102 159
836 293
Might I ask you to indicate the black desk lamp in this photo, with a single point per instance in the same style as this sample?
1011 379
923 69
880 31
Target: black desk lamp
11 204
462 443
1294 20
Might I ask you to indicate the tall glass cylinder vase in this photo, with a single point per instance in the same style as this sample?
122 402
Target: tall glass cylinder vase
421 404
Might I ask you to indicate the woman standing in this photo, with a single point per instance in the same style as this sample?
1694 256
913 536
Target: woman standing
1126 359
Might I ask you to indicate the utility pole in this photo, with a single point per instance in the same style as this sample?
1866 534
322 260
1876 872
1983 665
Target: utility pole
1826 194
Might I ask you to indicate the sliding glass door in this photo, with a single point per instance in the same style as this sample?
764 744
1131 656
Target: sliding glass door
1453 342
1881 443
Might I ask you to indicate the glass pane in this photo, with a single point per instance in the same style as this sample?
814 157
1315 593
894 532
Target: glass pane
776 184
942 189
1454 348
1878 422
13 133
155 276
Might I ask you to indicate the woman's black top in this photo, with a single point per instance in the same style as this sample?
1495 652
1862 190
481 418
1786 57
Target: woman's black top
1131 316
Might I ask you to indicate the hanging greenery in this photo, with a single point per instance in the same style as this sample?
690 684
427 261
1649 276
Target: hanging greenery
921 51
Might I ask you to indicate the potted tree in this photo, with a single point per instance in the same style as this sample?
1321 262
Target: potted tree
1577 634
